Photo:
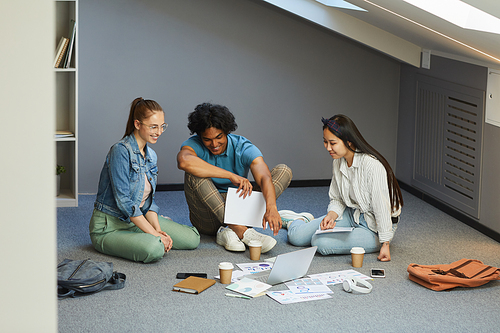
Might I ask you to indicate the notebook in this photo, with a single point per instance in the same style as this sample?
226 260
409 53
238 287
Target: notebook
193 285
287 266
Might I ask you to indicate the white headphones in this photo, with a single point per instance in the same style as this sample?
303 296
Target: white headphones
351 284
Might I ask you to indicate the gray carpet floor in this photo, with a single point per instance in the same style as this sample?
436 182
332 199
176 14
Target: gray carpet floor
396 304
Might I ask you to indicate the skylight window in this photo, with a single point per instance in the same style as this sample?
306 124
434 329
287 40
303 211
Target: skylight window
340 4
460 14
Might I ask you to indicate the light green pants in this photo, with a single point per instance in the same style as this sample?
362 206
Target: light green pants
112 236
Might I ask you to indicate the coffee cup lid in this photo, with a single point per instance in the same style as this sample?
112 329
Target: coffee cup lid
254 243
225 265
357 250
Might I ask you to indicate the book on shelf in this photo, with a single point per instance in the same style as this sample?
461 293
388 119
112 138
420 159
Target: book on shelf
193 285
72 34
60 51
64 134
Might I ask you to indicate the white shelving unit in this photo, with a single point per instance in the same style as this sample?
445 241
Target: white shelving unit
67 106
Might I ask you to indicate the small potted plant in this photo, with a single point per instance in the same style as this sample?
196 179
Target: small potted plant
59 170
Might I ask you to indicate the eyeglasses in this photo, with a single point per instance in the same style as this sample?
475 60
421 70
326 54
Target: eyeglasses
154 128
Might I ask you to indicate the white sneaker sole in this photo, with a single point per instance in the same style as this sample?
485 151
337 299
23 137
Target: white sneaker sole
291 215
241 248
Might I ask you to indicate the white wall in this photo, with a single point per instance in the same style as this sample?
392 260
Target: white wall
28 240
279 74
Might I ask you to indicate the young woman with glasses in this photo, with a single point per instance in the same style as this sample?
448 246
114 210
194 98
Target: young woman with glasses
125 222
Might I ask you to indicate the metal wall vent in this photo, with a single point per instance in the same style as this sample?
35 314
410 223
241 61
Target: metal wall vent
448 143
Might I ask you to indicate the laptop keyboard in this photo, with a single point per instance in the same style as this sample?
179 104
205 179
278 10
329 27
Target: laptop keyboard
261 276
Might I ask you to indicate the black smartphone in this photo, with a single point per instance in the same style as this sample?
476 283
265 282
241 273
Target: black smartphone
377 273
185 275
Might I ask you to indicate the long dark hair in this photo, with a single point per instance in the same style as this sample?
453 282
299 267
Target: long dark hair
140 109
346 130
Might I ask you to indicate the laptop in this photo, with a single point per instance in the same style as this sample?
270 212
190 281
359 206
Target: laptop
287 266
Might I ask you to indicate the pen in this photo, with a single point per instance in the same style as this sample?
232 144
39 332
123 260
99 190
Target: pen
238 296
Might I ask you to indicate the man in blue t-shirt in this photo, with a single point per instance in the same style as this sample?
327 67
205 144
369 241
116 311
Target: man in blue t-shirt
213 160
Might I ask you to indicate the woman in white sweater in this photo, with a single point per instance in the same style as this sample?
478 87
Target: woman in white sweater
364 194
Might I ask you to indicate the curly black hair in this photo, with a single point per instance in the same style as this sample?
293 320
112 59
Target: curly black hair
208 115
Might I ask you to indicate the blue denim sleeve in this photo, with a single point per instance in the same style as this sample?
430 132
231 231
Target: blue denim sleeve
154 207
153 170
121 172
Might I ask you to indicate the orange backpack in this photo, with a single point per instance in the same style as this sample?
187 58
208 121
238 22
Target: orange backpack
461 273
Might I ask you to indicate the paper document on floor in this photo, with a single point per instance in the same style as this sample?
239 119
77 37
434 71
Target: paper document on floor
252 268
249 287
338 277
288 296
308 286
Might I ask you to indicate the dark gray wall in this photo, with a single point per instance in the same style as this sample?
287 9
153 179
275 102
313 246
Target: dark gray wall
463 74
445 69
279 75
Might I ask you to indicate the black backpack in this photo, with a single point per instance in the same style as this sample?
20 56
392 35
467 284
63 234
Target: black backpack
82 277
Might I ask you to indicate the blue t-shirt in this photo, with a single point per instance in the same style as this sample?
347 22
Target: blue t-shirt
239 154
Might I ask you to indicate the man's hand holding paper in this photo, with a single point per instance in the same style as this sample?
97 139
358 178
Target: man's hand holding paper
247 210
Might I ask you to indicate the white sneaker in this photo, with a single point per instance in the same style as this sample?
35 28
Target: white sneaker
267 241
288 216
228 238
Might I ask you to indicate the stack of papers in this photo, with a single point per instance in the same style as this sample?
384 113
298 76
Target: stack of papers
64 134
313 288
301 290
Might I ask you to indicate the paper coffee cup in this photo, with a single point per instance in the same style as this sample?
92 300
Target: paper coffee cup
255 249
225 272
357 255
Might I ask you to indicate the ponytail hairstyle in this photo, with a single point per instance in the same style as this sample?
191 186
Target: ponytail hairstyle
344 128
140 109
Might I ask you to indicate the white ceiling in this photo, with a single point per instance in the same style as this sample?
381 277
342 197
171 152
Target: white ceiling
483 41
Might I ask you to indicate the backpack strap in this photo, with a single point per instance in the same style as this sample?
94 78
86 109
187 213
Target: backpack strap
63 293
484 270
462 265
454 270
459 274
117 281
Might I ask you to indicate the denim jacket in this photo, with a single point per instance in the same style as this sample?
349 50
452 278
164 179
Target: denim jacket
121 184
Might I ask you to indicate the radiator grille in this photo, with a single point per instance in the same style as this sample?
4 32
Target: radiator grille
448 139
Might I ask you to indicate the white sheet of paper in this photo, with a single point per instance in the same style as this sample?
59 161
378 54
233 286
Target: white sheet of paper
252 268
308 286
288 296
335 229
249 287
338 276
248 211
